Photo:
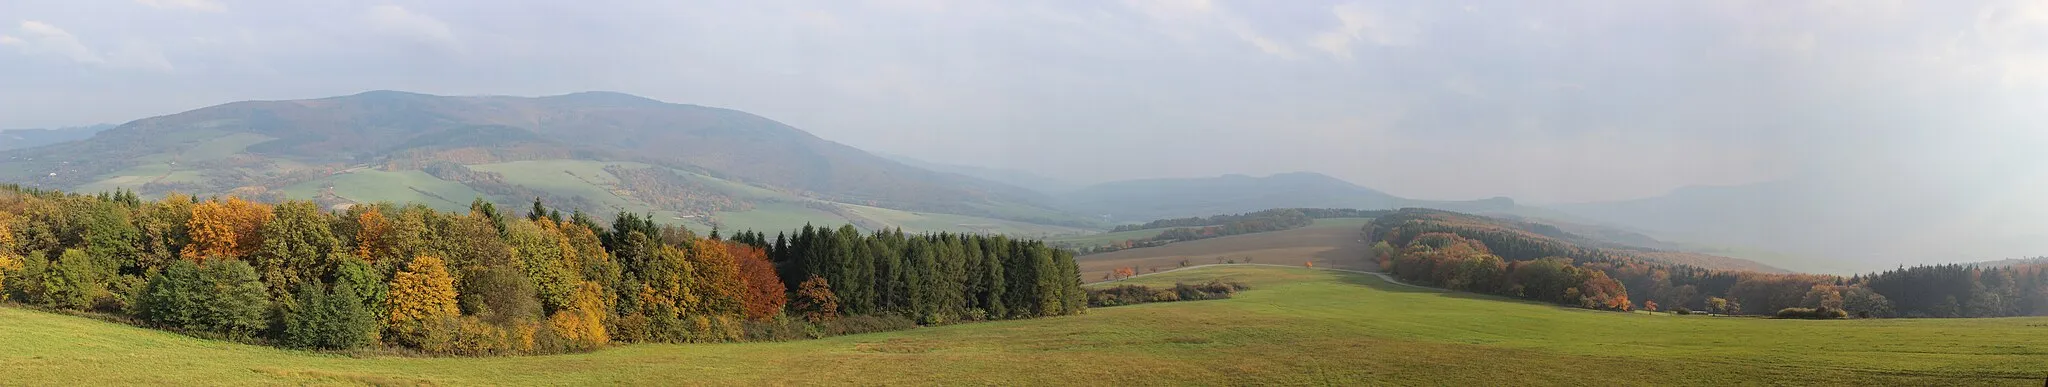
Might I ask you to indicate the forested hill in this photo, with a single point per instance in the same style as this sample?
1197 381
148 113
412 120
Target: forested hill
1541 262
596 151
1524 240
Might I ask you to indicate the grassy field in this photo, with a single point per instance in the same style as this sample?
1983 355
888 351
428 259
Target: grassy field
1112 237
1330 243
1296 327
370 186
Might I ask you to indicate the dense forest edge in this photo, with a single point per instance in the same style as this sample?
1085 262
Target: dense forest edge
1478 254
409 279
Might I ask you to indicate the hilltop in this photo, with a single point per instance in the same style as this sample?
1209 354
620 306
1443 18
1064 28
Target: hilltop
599 152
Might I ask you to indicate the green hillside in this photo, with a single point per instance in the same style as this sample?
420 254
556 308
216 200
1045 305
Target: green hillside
1295 327
597 152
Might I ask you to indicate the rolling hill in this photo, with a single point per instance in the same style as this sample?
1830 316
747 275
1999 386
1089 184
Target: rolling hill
1552 240
595 151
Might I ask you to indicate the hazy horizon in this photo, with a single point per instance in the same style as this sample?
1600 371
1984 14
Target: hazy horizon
1874 106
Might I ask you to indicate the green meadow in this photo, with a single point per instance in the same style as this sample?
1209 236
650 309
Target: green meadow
1294 327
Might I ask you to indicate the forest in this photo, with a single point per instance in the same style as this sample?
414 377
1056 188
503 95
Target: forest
1466 252
410 279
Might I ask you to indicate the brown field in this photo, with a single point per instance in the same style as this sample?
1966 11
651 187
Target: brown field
1331 246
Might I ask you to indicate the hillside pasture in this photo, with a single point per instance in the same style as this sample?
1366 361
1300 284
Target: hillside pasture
1330 243
1294 327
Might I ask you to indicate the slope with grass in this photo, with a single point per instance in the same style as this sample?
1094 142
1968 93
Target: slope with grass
1296 326
1331 243
513 149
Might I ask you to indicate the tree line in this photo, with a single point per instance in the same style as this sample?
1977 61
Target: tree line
411 278
1473 253
1279 214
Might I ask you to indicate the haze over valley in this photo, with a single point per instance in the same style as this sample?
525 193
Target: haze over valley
901 192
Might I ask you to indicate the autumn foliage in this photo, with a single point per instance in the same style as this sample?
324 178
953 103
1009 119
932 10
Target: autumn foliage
423 292
764 295
485 282
815 301
225 228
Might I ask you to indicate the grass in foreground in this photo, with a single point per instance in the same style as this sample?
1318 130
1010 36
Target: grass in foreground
1296 326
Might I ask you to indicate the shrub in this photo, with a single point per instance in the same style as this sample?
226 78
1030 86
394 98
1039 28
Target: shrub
324 320
867 324
74 282
1681 310
1821 313
222 296
1138 294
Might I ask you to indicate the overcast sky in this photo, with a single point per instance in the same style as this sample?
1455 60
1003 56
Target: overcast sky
1553 101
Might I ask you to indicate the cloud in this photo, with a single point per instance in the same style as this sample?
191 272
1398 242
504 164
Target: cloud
196 5
39 38
396 20
1185 18
1356 23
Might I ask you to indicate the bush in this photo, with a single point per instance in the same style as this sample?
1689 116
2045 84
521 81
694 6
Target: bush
324 320
74 282
1138 294
848 325
1821 313
1681 310
222 296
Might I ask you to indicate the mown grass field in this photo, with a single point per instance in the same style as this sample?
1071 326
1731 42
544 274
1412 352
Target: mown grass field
1296 327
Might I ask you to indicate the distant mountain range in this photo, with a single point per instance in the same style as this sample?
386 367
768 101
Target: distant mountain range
30 138
1149 199
1020 178
603 152
596 151
1822 224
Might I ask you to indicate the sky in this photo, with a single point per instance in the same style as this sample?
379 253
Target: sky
1546 102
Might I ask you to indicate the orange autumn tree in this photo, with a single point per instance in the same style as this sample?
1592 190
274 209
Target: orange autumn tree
1125 272
815 300
764 296
225 229
373 234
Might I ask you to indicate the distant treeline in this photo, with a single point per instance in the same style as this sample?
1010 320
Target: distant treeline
1473 253
1188 229
410 278
1266 215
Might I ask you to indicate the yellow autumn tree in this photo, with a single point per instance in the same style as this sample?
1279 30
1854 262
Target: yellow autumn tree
225 228
9 262
581 325
422 293
717 278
